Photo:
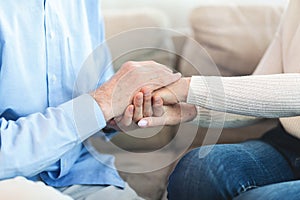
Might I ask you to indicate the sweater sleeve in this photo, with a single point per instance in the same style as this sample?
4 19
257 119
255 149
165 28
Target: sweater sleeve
264 96
214 119
254 96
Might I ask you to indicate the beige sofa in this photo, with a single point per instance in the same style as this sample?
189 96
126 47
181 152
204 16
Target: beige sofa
234 36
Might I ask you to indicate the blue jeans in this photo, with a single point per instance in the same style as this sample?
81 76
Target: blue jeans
256 169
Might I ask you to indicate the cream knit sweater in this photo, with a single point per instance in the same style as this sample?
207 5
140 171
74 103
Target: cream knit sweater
273 91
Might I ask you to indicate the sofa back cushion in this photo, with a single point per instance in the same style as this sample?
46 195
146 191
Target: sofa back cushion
235 37
138 35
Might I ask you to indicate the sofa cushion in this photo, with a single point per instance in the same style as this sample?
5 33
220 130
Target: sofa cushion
138 35
234 36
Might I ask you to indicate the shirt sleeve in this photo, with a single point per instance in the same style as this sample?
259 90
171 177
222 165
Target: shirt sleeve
31 144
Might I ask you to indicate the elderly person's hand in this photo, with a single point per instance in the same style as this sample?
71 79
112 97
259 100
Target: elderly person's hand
148 111
117 93
143 106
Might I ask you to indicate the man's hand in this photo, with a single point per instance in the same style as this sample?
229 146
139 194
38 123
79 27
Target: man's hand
116 94
143 106
148 111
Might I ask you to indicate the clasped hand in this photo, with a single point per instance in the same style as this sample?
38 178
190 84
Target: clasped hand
144 93
164 106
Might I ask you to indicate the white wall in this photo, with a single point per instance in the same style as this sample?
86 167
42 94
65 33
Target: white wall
178 10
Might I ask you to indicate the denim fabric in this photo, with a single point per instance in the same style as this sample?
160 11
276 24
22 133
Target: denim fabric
279 191
233 169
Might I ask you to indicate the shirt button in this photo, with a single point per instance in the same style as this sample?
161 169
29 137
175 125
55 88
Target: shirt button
52 35
53 78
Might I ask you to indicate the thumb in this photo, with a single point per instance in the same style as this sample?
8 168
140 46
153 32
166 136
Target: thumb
167 95
175 77
151 122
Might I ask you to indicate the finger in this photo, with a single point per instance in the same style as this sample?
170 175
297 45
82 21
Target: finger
147 104
151 122
138 107
127 117
118 119
168 96
158 109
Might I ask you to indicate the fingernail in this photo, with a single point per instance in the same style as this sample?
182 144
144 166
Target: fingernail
143 123
157 99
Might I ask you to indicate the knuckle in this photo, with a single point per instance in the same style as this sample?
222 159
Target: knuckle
152 62
158 113
129 65
148 113
136 119
128 115
150 122
138 104
158 103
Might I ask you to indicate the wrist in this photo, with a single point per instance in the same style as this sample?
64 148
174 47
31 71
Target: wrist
185 89
103 100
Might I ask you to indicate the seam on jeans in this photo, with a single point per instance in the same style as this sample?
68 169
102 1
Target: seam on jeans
258 162
247 187
212 175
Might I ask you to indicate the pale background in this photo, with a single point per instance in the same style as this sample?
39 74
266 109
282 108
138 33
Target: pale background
178 10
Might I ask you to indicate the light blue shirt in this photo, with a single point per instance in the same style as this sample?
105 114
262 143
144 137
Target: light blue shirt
45 111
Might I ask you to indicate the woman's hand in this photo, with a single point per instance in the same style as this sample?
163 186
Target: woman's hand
174 93
148 110
144 105
173 114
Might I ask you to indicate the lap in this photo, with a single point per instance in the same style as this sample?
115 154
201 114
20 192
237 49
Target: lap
21 188
94 192
227 171
278 191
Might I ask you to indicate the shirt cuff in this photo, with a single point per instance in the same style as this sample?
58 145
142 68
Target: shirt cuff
106 136
85 114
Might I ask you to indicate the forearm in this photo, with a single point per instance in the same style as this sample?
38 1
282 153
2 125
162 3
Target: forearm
31 144
268 96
